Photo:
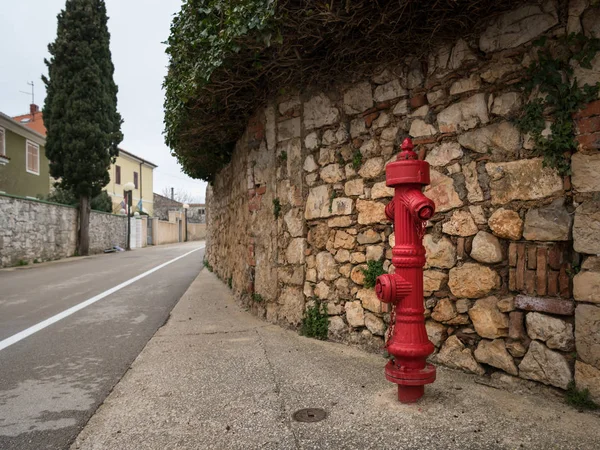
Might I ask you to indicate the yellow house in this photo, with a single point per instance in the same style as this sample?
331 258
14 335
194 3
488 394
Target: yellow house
129 167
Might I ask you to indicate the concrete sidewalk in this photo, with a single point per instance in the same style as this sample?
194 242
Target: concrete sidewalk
216 377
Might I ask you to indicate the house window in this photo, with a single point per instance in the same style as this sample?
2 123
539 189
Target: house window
33 158
2 143
118 174
135 179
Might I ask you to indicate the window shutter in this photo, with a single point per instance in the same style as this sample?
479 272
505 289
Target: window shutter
33 158
118 174
2 144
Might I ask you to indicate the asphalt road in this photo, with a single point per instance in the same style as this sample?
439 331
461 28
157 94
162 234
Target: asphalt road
52 381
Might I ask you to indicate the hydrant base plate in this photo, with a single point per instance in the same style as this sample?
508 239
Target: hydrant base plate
412 377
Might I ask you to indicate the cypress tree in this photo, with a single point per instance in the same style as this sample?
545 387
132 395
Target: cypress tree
80 110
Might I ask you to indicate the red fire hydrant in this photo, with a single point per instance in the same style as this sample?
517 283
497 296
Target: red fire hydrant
407 339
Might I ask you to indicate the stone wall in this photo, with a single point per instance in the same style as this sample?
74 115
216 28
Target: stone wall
506 241
32 230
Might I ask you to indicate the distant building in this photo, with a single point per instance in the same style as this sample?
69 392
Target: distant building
127 167
197 213
162 206
24 168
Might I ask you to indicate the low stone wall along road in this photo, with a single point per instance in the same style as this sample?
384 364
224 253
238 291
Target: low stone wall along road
70 329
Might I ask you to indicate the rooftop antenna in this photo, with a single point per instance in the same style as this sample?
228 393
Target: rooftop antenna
32 93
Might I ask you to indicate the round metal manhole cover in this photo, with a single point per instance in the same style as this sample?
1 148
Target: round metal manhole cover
309 415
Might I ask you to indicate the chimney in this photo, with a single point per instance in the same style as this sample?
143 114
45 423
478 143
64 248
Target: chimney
33 108
172 193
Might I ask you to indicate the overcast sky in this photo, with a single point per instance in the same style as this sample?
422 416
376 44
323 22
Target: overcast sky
137 28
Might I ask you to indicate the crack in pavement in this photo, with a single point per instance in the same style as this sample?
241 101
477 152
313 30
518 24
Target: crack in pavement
287 420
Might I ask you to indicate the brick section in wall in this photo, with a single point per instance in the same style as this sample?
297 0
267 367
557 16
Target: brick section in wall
539 269
587 122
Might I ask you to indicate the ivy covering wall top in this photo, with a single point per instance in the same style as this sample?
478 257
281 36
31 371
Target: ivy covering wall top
227 57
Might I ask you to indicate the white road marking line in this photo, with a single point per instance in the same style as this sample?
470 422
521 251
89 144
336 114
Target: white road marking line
66 313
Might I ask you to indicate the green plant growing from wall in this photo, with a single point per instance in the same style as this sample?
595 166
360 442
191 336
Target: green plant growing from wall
207 265
283 156
276 208
315 323
550 78
357 160
579 398
373 270
230 282
257 298
332 197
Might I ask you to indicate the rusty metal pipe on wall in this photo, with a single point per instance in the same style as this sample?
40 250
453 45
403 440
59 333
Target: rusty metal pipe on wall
407 337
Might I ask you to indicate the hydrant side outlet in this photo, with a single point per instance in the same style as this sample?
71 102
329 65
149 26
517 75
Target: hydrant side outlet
407 337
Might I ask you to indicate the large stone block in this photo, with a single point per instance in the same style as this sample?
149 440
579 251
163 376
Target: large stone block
294 223
507 104
588 377
440 254
472 280
317 203
436 332
380 190
420 128
344 240
369 300
326 267
556 333
442 192
320 204
371 168
433 281
295 251
461 54
544 365
550 223
586 286
486 248
442 154
501 139
319 111
487 319
374 324
358 98
291 300
586 228
518 26
494 353
464 115
585 172
587 334
460 224
444 310
389 91
370 212
525 179
454 354
354 187
355 314
506 224
288 129
332 173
